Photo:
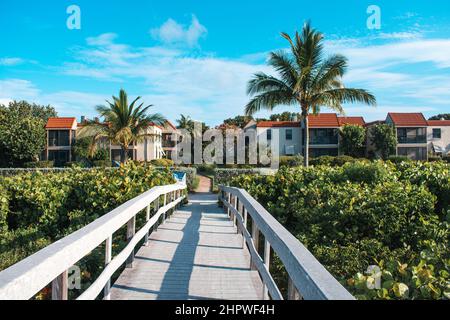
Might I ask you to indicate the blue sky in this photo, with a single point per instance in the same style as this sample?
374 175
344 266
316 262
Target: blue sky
195 57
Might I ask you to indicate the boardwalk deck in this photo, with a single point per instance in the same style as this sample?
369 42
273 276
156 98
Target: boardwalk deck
196 254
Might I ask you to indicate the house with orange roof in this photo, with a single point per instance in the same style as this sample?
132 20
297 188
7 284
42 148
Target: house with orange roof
323 133
62 134
411 132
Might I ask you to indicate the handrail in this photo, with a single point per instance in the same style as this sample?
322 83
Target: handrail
27 277
307 276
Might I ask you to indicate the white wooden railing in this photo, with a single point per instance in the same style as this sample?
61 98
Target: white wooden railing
26 278
307 278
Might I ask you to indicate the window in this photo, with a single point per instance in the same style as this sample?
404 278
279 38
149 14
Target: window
413 153
323 136
288 134
59 157
58 138
437 133
269 134
411 135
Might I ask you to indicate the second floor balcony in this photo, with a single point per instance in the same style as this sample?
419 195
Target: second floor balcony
323 136
411 135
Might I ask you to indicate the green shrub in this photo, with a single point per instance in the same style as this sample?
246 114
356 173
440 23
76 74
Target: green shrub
4 202
46 207
398 159
368 172
39 164
75 164
361 214
162 162
291 161
19 244
321 161
446 159
101 163
434 158
331 161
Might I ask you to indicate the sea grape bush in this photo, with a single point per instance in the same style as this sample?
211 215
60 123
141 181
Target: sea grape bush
37 209
367 213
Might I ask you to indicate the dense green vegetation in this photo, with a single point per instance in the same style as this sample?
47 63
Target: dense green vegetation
37 209
22 133
395 216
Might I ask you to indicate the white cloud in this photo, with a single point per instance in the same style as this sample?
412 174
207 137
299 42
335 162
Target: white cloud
171 32
11 61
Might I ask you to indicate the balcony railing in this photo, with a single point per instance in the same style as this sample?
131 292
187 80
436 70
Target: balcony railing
413 139
323 140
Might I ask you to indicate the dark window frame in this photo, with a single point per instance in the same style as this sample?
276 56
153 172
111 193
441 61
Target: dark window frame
437 133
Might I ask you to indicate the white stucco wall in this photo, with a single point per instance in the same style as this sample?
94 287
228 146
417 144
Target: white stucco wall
283 143
443 142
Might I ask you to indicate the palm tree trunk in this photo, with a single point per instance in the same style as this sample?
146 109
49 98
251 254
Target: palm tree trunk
123 155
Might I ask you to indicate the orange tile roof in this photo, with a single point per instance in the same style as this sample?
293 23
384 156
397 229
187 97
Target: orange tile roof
408 119
359 121
277 124
323 120
61 123
439 123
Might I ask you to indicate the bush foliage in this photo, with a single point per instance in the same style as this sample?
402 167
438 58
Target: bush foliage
37 209
364 213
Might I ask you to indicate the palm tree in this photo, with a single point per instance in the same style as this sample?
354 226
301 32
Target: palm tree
124 124
185 122
306 79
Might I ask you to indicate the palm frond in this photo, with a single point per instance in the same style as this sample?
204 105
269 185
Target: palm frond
269 100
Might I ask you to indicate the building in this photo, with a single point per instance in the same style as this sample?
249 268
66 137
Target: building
323 133
438 137
416 137
411 132
170 135
62 134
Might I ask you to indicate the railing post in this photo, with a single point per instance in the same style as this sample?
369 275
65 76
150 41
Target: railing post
155 227
245 226
131 229
293 293
235 205
60 287
229 201
255 238
147 217
267 265
108 256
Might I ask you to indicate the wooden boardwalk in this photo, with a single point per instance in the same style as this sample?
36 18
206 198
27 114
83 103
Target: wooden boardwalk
196 254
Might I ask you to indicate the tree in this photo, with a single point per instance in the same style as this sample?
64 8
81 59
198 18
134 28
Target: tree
445 116
238 121
124 124
353 140
26 110
306 79
22 132
185 122
384 139
285 116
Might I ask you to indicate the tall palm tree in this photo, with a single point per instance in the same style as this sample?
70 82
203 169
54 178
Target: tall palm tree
124 124
306 79
185 122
